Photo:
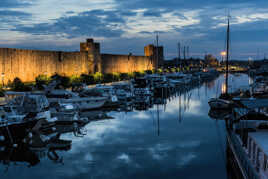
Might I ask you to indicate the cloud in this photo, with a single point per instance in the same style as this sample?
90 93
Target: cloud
9 18
97 23
15 3
199 24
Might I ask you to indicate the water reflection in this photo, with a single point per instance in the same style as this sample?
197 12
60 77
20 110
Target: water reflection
169 137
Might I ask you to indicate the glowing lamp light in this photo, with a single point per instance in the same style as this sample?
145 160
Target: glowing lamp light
223 88
223 53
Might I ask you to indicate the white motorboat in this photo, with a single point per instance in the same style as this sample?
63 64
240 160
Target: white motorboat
123 91
101 91
68 97
66 113
21 113
109 92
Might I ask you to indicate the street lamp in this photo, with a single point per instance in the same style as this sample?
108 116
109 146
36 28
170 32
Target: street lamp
223 54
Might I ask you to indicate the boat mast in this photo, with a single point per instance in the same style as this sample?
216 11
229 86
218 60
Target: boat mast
179 54
157 55
227 55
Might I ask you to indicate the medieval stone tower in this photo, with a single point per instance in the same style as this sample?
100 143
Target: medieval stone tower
93 52
156 55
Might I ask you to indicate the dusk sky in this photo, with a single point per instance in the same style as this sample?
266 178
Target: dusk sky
123 26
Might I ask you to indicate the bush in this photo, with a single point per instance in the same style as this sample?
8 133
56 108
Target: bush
159 70
173 70
107 77
98 77
63 81
137 74
124 76
2 92
75 79
41 80
149 72
130 75
166 70
116 76
87 79
17 85
142 73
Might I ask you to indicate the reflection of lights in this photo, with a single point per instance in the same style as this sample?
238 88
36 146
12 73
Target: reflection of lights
223 88
205 70
223 53
250 81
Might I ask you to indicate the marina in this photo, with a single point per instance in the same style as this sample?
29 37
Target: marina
173 133
114 89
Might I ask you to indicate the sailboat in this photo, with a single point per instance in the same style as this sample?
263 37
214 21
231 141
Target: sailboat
223 101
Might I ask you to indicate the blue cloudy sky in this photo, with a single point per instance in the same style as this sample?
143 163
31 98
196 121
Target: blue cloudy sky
126 26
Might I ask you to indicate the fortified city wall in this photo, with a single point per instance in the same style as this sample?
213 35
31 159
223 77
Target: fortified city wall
28 64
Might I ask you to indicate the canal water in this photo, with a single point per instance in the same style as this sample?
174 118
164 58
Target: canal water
176 140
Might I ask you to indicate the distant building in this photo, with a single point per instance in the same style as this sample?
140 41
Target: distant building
211 61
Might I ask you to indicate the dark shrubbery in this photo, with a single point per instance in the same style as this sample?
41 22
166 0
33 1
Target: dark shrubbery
149 72
63 81
17 85
124 76
87 79
66 82
108 77
41 80
98 77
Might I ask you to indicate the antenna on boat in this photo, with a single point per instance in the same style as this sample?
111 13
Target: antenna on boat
157 55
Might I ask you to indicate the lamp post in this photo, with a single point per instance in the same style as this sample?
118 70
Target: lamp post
223 55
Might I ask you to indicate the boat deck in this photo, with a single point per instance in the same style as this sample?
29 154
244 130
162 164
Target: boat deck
258 151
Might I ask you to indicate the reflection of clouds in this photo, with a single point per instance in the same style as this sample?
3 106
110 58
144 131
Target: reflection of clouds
89 157
124 157
186 159
190 144
96 131
159 151
193 107
142 115
162 151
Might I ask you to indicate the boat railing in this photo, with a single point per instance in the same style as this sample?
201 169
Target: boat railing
258 156
243 157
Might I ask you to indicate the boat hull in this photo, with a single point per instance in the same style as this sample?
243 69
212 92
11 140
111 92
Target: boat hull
216 103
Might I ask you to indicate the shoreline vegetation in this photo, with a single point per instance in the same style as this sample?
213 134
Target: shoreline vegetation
88 79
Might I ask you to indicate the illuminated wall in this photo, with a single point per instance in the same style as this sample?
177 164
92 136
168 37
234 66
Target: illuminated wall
28 64
125 63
